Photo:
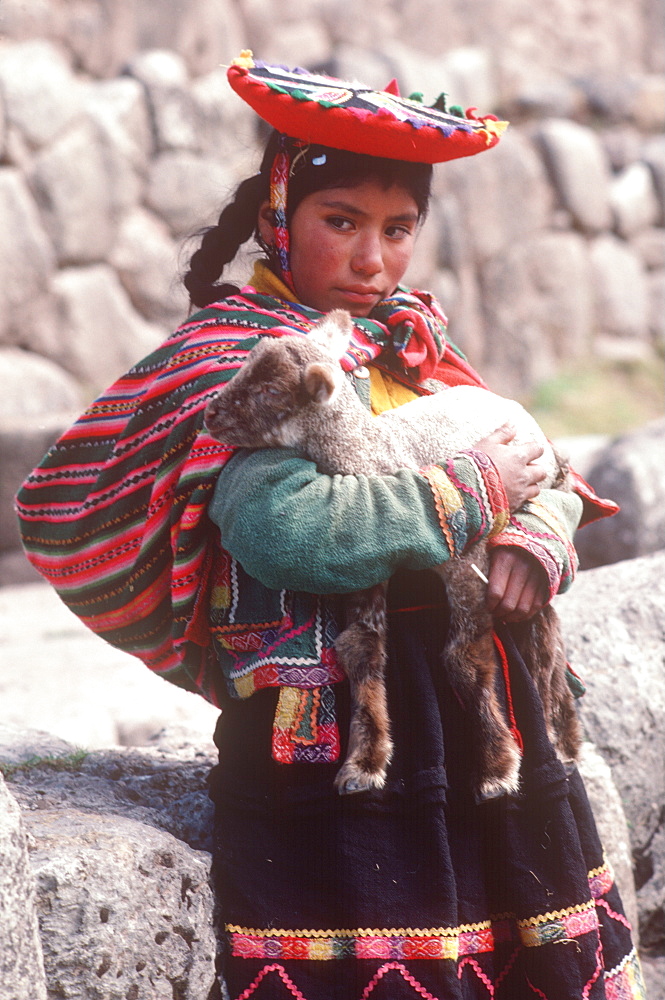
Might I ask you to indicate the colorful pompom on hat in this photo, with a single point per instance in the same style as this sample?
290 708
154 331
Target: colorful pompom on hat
330 112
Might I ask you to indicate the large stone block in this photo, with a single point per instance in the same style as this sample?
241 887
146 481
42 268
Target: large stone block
81 181
207 33
43 97
633 200
101 333
498 198
580 171
630 471
21 964
147 261
125 909
539 308
188 191
120 110
27 260
25 440
163 75
620 292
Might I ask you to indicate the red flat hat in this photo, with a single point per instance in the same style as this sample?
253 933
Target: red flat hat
330 112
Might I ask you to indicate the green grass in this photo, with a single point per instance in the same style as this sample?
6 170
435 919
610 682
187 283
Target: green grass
69 762
597 397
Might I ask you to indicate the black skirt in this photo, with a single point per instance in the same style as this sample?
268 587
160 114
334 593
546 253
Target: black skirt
417 891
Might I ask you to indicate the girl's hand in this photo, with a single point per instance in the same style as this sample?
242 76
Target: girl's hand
520 477
517 585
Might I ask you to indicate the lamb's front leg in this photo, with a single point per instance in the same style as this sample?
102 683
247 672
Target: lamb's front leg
470 660
361 649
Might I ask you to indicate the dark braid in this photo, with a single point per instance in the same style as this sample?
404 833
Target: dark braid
221 243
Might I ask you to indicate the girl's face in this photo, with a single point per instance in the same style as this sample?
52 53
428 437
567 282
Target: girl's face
349 246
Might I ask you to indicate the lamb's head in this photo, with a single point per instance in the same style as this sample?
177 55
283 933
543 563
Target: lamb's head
269 401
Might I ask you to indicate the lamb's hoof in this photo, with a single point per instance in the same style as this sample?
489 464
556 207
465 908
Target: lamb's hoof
496 787
351 780
489 791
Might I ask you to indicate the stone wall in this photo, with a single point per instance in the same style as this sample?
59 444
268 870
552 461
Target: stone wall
119 137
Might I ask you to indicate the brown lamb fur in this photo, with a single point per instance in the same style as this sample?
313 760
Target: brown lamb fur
291 392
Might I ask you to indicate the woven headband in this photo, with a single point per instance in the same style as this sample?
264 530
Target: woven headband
330 112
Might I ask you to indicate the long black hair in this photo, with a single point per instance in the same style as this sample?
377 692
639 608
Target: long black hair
314 168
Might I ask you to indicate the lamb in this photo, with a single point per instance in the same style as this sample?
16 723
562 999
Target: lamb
292 392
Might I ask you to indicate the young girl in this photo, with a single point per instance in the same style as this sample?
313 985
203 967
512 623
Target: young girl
223 572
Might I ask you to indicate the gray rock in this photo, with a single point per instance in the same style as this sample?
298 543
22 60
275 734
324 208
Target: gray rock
377 69
206 33
26 255
620 291
146 260
19 745
612 825
81 182
635 97
116 842
188 191
125 909
3 126
219 114
163 75
15 568
101 333
653 969
539 308
99 36
650 247
656 289
42 95
285 42
630 471
633 200
613 621
623 145
548 97
33 389
487 188
582 450
580 172
654 157
119 109
24 440
21 963
163 785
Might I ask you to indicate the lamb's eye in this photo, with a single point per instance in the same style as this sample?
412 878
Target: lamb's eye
271 390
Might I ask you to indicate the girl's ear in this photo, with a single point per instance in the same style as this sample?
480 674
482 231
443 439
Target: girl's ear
322 381
333 332
265 223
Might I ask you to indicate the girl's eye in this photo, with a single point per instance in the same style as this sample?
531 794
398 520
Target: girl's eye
398 232
339 222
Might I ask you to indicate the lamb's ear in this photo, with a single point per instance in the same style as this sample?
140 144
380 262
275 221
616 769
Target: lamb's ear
333 332
322 381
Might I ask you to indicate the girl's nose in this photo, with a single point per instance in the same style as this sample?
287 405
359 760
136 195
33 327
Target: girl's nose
368 258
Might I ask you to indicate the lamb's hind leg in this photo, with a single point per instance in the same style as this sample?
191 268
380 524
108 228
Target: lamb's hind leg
540 643
470 660
361 649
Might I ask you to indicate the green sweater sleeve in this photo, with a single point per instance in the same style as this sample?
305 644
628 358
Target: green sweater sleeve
545 527
290 526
